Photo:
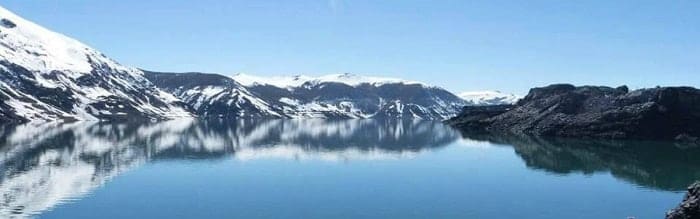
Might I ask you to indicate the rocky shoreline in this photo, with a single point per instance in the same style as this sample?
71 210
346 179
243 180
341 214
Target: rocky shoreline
564 110
690 207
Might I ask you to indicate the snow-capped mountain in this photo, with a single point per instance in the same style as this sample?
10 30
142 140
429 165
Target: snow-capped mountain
331 96
212 95
354 96
47 76
488 98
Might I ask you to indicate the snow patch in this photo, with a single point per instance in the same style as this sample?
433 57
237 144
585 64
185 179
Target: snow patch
299 80
489 97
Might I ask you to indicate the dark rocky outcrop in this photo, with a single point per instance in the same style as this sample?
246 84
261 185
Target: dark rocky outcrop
690 207
474 118
666 113
7 23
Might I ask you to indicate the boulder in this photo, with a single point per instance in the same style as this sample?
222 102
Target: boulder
690 207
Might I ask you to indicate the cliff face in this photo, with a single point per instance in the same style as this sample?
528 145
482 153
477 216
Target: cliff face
564 110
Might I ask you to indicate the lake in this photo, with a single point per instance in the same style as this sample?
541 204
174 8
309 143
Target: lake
329 169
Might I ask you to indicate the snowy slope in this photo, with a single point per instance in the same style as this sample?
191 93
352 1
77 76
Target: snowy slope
213 95
47 76
488 98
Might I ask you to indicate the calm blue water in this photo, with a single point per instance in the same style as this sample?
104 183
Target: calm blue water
329 169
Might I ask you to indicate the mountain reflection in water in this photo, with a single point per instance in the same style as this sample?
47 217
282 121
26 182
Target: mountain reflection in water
655 165
45 165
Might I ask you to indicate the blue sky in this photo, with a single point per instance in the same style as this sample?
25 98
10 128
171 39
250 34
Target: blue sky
460 45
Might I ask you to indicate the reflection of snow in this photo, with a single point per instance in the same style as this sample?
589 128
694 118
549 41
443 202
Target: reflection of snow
297 153
48 164
469 143
46 186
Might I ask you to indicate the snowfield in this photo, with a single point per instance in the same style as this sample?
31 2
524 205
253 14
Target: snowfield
489 97
47 76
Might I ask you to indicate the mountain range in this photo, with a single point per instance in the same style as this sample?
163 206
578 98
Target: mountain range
332 96
46 76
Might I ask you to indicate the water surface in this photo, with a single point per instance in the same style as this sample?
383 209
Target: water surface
329 169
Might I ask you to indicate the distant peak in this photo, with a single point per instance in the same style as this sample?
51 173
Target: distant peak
298 80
